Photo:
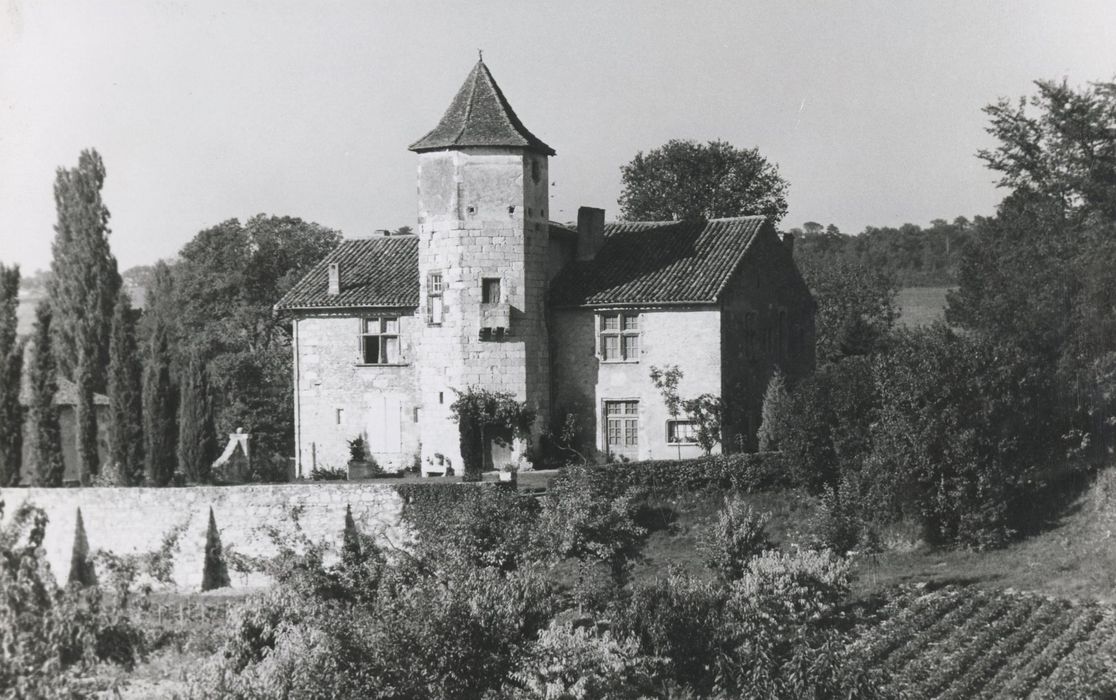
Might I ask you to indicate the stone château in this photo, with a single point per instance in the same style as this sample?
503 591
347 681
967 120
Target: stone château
569 318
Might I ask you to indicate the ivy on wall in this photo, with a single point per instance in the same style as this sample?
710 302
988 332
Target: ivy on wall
483 416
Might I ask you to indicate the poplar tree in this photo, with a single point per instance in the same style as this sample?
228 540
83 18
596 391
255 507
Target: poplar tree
48 468
125 391
11 366
197 444
83 287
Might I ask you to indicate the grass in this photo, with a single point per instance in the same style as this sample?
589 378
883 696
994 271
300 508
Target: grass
921 306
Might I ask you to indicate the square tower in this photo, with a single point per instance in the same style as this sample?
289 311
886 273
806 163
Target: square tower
483 236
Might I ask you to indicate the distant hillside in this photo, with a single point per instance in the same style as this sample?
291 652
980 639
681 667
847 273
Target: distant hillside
33 288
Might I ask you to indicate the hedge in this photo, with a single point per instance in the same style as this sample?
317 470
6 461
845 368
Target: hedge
740 471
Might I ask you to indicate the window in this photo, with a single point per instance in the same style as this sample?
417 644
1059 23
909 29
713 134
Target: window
619 336
490 290
681 432
434 306
379 343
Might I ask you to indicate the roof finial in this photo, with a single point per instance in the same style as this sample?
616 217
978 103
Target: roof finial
480 55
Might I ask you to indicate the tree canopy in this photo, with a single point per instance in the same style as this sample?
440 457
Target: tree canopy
686 180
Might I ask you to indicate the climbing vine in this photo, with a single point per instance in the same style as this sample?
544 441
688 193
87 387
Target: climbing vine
484 415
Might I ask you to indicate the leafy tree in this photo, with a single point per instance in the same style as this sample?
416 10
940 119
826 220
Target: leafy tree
159 427
827 432
226 281
705 411
125 391
83 287
1033 276
738 535
856 308
47 467
197 442
775 412
958 433
1065 154
686 180
11 368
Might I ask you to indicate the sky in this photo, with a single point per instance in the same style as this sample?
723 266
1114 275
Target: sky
209 110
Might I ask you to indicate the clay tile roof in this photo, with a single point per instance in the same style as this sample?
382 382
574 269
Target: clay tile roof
480 116
671 262
375 272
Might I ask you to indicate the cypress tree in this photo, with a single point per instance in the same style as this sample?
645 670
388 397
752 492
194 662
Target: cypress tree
45 431
83 287
776 413
85 416
11 367
125 391
215 574
197 442
159 428
82 572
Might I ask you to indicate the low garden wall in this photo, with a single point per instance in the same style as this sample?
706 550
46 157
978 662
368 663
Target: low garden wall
125 521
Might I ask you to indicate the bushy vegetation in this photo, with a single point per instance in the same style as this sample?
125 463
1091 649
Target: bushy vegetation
475 606
51 636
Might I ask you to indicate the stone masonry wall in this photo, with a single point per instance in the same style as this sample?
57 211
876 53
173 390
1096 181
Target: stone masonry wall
482 214
136 520
688 338
338 398
780 334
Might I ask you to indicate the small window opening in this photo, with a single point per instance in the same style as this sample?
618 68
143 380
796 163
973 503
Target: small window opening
511 209
440 397
471 210
340 415
490 290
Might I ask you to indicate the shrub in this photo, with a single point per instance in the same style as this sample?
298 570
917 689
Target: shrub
739 471
588 519
329 474
482 525
582 664
737 536
775 414
50 635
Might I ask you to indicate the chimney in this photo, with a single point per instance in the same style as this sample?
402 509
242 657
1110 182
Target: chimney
590 232
382 232
788 242
334 279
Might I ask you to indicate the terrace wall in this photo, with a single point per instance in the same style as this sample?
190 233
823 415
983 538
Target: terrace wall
136 520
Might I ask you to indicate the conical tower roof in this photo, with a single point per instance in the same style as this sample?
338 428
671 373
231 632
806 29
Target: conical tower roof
480 116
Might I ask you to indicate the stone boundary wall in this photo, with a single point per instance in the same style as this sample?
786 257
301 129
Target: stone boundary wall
137 520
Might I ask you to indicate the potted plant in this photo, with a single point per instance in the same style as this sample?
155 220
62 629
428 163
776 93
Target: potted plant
361 464
509 472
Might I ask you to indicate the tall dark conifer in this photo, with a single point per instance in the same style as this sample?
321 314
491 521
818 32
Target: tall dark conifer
47 467
83 287
11 366
197 442
125 391
159 427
